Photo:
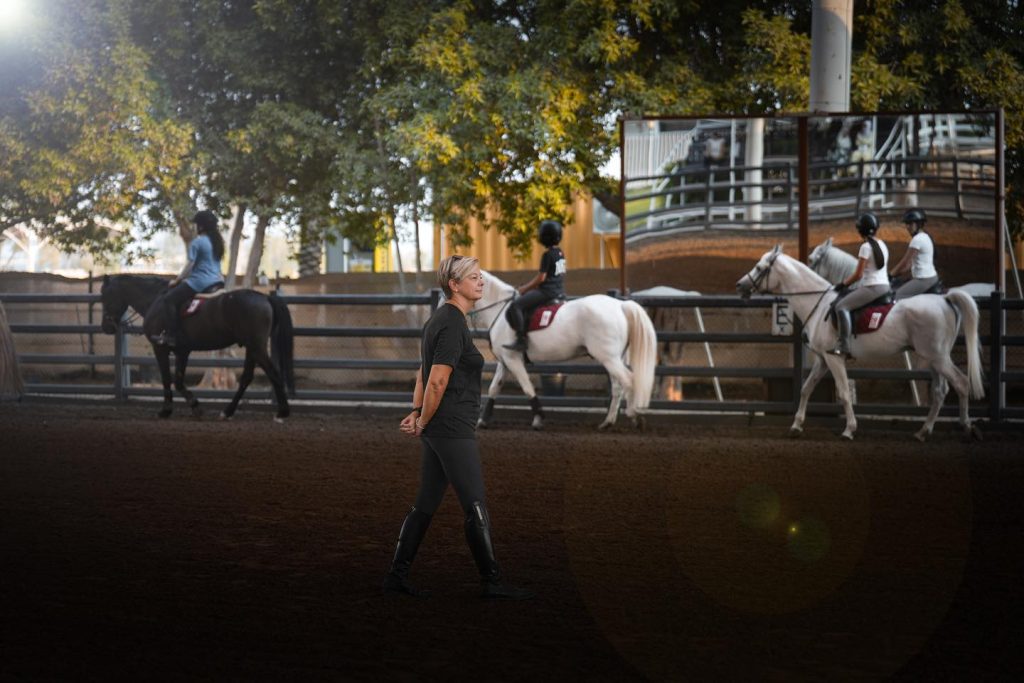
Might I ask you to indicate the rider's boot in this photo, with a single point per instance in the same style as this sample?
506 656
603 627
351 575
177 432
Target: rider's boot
413 530
478 535
845 331
517 321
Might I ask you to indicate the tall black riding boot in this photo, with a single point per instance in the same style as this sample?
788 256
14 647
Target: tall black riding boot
845 331
414 528
478 535
517 321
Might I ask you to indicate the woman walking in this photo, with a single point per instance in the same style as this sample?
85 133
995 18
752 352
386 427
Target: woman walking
446 404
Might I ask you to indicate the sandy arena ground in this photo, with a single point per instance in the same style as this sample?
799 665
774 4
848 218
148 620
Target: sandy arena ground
696 550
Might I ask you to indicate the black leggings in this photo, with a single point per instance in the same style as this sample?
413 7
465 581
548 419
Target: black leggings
173 299
516 314
449 461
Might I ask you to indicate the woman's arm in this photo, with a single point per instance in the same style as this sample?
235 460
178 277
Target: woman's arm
437 382
861 264
408 425
185 272
534 283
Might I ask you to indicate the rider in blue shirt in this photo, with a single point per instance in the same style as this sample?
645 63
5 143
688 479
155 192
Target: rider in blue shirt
548 284
200 273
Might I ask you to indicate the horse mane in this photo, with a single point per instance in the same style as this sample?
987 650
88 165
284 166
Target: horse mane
834 264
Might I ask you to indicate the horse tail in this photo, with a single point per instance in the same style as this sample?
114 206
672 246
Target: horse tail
282 342
964 303
643 353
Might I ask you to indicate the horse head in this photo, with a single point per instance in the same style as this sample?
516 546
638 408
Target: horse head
758 279
114 304
819 252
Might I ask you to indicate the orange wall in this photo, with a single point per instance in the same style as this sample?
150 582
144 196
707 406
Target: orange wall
581 246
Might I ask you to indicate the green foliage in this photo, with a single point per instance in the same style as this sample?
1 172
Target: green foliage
344 115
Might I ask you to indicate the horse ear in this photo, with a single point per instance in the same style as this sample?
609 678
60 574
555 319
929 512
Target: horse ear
828 242
777 250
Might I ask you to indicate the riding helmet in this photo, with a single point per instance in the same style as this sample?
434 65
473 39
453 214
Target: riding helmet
549 233
867 224
206 220
914 215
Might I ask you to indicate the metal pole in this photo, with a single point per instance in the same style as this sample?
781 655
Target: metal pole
798 362
92 342
996 357
831 40
622 205
120 347
1000 204
804 183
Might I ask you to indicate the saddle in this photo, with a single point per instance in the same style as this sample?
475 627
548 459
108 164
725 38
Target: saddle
193 306
867 318
542 316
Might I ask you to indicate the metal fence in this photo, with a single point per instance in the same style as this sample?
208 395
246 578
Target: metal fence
118 366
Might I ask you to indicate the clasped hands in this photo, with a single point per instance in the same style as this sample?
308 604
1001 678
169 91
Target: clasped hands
412 424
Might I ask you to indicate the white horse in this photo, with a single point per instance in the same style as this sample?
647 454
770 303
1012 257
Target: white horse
926 323
607 329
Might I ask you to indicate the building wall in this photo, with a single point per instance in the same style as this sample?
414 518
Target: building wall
583 248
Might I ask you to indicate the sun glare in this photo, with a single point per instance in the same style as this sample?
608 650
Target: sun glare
12 12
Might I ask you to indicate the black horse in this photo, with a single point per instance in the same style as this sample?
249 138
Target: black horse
242 316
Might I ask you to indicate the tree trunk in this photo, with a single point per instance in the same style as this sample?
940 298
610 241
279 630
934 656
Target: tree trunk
310 249
11 385
416 231
252 270
398 251
235 243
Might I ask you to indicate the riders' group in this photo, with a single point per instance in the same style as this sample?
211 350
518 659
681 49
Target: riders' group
876 279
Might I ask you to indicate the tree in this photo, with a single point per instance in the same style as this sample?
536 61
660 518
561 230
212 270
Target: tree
82 140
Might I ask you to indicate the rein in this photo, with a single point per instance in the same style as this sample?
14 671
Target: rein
501 302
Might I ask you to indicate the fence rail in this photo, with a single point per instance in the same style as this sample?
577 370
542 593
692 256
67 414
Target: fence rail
996 341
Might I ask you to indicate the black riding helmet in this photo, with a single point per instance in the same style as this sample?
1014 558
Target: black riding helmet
549 233
206 220
914 215
867 224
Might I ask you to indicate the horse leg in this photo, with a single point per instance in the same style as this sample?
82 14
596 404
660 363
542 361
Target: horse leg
180 363
259 353
939 387
837 367
518 370
243 383
622 383
818 370
962 386
492 393
163 360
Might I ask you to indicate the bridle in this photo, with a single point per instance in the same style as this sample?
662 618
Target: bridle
762 275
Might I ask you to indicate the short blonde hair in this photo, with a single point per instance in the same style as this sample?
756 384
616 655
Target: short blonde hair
454 267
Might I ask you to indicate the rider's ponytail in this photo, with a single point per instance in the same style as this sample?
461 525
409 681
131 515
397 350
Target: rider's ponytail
877 250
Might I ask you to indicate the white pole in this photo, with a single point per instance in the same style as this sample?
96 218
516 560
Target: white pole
831 38
754 160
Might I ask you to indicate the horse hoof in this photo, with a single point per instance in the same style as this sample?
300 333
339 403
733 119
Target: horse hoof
537 424
603 427
278 419
164 413
639 423
224 416
480 424
975 433
795 432
847 436
921 436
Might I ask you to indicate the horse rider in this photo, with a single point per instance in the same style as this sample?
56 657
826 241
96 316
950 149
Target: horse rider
200 273
872 274
918 259
548 284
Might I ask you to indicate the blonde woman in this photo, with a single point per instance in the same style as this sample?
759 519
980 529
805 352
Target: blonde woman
446 404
